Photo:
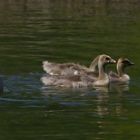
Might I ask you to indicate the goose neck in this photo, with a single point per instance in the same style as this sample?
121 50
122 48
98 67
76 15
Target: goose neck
94 64
102 74
120 70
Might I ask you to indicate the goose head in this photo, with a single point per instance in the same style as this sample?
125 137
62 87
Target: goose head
94 65
104 60
122 64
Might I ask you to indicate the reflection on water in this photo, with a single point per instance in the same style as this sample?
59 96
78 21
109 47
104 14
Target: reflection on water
119 88
89 109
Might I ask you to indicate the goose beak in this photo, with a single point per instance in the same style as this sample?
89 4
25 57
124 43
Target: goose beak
131 63
112 61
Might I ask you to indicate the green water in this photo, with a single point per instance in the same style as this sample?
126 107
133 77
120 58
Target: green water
32 31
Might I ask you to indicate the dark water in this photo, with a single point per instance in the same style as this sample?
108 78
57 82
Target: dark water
32 31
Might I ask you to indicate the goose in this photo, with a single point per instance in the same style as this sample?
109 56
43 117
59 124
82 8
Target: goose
70 68
82 80
121 76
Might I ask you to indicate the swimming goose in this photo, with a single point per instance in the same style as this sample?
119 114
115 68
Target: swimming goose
82 80
121 76
70 68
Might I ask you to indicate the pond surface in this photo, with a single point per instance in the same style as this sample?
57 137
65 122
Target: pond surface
32 31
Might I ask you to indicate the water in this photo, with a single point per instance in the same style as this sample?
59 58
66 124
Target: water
32 31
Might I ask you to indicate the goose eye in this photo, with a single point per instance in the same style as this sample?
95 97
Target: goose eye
125 61
107 58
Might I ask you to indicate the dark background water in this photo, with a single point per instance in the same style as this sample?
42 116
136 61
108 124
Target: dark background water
32 31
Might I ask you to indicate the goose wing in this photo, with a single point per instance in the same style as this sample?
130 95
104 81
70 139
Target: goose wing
64 68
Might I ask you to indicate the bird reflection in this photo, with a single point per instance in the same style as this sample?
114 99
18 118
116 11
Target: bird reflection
104 99
102 102
102 89
119 88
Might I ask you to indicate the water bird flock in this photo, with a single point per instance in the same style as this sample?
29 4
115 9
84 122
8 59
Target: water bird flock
75 75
